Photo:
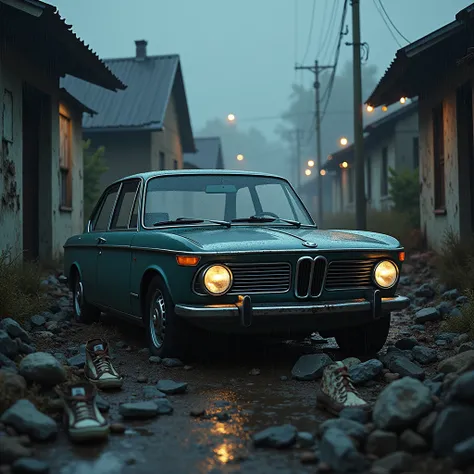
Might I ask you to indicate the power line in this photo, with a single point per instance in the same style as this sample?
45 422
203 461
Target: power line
310 34
321 30
330 26
387 25
392 23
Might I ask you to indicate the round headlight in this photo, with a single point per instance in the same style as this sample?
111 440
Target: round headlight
217 279
385 274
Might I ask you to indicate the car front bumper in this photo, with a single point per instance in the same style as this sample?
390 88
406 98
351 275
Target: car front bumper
325 314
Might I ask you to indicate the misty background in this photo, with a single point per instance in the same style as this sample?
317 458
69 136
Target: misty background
239 57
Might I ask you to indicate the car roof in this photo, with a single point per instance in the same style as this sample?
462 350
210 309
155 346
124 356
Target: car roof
197 172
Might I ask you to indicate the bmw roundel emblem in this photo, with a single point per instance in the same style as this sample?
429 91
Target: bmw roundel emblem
310 244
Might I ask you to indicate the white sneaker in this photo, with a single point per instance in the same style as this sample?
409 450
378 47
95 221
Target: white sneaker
82 418
336 391
98 368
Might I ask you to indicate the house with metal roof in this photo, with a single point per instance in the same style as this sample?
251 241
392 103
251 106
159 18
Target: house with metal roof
438 69
41 162
389 142
147 126
208 154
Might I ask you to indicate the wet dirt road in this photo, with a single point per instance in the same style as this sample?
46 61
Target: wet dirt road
237 402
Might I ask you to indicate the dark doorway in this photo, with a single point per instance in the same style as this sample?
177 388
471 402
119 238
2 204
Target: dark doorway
465 137
32 104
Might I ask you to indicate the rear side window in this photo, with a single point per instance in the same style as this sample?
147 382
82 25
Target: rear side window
123 209
102 219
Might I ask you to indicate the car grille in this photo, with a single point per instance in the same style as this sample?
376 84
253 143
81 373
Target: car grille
315 274
251 278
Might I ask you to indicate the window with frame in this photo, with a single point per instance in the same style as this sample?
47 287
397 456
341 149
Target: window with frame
416 153
273 197
65 160
101 219
123 210
244 203
162 161
384 173
438 158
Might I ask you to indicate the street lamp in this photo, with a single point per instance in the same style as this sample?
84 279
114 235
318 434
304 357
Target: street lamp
231 118
240 157
343 141
310 163
307 172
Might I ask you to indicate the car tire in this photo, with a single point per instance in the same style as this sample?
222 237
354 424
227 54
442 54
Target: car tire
167 334
84 312
364 340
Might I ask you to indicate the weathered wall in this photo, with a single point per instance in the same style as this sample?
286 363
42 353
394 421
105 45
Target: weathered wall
167 141
435 224
405 132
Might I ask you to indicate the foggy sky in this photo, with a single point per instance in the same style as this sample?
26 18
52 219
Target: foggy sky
238 56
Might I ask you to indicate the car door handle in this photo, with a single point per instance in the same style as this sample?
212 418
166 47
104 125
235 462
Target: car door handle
101 240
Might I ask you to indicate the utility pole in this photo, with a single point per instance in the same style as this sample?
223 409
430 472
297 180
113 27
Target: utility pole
361 205
316 69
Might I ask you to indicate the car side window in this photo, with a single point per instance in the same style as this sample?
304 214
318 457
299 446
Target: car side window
123 209
273 199
134 217
244 203
102 219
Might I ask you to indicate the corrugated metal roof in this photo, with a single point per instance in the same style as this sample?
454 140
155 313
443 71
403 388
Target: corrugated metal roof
208 154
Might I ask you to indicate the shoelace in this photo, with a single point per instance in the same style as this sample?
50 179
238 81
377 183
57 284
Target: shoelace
102 364
83 410
343 380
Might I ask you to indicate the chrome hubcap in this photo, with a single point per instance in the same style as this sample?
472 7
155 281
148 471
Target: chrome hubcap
78 298
158 319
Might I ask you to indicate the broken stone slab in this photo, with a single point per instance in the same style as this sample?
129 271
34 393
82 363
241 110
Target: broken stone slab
339 452
150 392
164 406
425 355
42 368
279 437
170 387
14 330
26 419
402 404
427 314
365 371
140 410
456 362
406 368
310 367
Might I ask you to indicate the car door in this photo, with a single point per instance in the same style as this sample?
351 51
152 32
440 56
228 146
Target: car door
92 238
114 260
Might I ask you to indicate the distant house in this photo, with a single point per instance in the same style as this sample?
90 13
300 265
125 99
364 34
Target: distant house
41 168
390 142
439 70
208 154
147 127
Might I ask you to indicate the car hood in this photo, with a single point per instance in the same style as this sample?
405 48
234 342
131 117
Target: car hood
264 237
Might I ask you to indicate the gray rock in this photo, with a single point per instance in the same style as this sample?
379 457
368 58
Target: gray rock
454 425
463 453
170 387
140 410
365 371
425 291
339 452
455 313
450 295
456 362
349 427
465 346
304 439
26 419
29 466
279 437
417 327
425 355
150 392
170 363
14 330
380 443
406 368
154 360
427 314
42 368
406 343
444 308
8 346
164 406
349 362
462 300
355 414
102 404
393 351
7 364
462 390
412 442
78 361
395 463
435 387
426 425
23 347
37 321
462 338
62 359
401 404
12 449
447 336
310 366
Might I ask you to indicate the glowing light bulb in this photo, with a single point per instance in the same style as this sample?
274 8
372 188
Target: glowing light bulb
403 100
231 117
307 172
343 141
322 172
369 108
310 163
240 157
344 164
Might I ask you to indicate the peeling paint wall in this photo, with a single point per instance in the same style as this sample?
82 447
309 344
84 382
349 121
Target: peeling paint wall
435 225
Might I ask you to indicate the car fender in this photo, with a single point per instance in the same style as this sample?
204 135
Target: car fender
71 267
154 268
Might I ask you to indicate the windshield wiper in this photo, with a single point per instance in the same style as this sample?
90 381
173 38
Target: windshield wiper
191 220
266 219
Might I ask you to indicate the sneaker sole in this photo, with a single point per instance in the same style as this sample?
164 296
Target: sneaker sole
89 434
106 383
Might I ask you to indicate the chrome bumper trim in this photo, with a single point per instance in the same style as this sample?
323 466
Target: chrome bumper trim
388 304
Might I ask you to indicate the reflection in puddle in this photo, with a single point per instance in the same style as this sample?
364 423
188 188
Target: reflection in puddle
107 463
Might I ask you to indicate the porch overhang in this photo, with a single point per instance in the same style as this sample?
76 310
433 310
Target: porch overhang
65 96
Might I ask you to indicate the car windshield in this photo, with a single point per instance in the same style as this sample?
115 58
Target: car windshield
224 198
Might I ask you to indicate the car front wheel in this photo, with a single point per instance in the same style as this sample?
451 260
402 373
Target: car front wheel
167 334
364 340
84 312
